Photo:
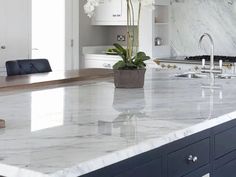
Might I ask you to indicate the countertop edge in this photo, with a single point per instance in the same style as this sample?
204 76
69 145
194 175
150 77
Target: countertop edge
115 157
118 156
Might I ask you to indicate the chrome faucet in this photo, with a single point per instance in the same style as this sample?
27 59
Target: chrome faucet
212 68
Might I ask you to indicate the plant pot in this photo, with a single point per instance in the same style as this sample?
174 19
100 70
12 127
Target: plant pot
129 78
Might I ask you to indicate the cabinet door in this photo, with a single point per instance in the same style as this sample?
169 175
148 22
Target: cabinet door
151 169
108 10
124 11
14 30
202 172
188 159
99 64
227 170
100 61
113 12
223 144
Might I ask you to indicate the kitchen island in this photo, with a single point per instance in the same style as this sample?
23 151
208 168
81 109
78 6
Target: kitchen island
173 127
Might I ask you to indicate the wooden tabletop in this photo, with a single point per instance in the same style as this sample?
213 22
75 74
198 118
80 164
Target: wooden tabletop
46 79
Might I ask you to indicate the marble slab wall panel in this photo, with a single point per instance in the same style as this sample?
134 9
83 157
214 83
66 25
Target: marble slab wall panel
191 18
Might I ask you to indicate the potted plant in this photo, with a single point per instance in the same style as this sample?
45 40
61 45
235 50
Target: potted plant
130 71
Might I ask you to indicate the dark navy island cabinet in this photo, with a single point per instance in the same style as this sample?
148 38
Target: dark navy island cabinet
212 151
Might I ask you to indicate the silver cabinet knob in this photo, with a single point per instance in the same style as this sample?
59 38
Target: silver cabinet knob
192 158
3 47
107 65
116 15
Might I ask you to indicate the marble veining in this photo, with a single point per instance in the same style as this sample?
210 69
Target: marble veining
73 130
191 18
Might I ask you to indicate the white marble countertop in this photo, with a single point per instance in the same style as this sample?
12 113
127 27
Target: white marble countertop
74 130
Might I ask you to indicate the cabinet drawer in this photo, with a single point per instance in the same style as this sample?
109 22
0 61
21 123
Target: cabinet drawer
225 142
189 158
99 64
202 172
151 169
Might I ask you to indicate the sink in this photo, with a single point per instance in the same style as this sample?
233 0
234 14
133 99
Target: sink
226 76
191 75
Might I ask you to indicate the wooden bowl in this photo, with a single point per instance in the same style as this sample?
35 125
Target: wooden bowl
2 123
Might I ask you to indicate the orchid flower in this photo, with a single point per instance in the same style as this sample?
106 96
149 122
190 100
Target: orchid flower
90 7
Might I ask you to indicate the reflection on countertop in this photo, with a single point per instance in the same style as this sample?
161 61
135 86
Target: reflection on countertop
77 129
127 119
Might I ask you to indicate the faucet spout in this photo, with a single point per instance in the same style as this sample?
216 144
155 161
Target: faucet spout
212 67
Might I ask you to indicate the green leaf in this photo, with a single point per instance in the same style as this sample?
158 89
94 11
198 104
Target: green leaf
118 52
121 51
142 56
146 58
119 47
131 66
136 62
119 65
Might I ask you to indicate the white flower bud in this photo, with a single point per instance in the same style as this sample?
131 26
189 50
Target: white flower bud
90 6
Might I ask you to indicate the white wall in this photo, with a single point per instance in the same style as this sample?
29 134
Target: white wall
113 31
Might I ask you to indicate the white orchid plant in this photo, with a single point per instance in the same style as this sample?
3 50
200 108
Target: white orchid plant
130 59
90 7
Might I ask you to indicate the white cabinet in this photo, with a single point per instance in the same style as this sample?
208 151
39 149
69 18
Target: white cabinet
107 61
113 12
107 64
108 10
14 30
95 57
100 61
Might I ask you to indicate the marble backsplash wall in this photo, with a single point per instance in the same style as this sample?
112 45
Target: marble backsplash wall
191 18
